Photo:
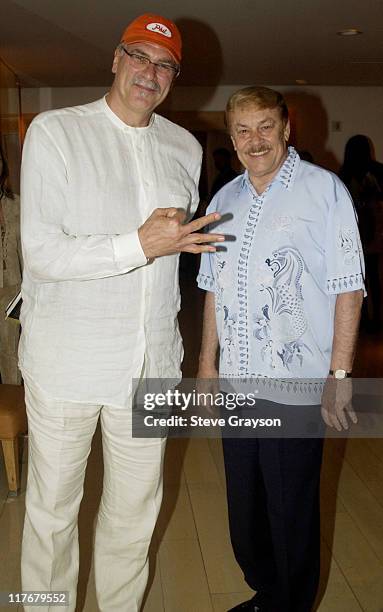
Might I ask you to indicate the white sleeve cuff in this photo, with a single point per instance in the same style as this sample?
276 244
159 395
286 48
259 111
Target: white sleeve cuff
205 282
128 251
345 284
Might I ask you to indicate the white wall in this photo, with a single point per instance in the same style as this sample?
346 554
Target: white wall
46 98
314 109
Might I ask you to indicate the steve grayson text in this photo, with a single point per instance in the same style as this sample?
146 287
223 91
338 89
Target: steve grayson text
198 421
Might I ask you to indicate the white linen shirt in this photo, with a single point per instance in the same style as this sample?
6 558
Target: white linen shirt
95 314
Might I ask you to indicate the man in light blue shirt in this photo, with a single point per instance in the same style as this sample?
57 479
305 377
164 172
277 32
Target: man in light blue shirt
283 302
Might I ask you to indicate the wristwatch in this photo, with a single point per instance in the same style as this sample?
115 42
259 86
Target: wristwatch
340 374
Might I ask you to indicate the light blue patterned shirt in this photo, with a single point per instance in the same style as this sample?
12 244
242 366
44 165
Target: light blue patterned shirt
292 250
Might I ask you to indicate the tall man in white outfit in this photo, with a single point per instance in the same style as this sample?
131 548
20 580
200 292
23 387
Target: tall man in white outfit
105 190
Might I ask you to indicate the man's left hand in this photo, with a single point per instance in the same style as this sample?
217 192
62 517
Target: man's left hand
337 403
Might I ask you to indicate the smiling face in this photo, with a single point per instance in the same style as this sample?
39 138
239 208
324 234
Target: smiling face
138 90
260 139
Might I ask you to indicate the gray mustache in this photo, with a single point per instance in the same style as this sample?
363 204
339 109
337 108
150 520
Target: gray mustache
253 150
149 84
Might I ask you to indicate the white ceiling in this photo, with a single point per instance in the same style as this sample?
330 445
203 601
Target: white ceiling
71 42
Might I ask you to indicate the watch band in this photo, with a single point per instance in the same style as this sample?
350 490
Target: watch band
339 373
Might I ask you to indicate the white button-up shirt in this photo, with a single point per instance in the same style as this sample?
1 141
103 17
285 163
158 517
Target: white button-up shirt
95 314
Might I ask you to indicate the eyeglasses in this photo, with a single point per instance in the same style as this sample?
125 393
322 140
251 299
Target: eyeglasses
142 61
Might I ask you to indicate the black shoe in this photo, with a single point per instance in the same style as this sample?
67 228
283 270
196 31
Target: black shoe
246 606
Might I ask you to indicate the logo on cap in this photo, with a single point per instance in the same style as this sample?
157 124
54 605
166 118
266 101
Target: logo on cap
160 28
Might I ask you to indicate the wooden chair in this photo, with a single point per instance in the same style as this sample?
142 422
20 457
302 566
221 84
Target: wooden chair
13 422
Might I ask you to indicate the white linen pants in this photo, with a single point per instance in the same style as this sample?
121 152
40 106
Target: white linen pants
60 435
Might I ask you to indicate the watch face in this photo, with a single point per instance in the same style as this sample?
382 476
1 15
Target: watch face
340 374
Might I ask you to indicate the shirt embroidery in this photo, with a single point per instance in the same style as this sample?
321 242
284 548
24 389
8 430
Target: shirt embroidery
243 282
293 249
283 320
348 245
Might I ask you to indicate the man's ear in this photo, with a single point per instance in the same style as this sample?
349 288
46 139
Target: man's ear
286 131
116 59
233 141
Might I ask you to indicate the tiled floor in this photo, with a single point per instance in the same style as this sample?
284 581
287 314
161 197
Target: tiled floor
192 565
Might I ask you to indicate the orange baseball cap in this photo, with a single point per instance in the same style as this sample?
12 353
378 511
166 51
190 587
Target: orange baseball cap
155 29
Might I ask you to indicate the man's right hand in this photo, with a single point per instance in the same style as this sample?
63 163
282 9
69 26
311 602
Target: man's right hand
164 233
336 406
207 384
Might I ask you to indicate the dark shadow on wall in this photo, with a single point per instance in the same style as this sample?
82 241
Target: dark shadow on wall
202 61
310 127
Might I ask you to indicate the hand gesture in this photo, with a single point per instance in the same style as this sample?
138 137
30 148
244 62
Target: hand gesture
164 233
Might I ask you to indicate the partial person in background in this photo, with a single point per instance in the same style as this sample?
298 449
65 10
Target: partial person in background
226 173
306 156
10 274
363 177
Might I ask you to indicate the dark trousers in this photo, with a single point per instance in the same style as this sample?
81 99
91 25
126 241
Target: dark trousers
273 502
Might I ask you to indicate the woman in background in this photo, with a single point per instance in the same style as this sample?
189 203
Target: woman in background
10 274
363 177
